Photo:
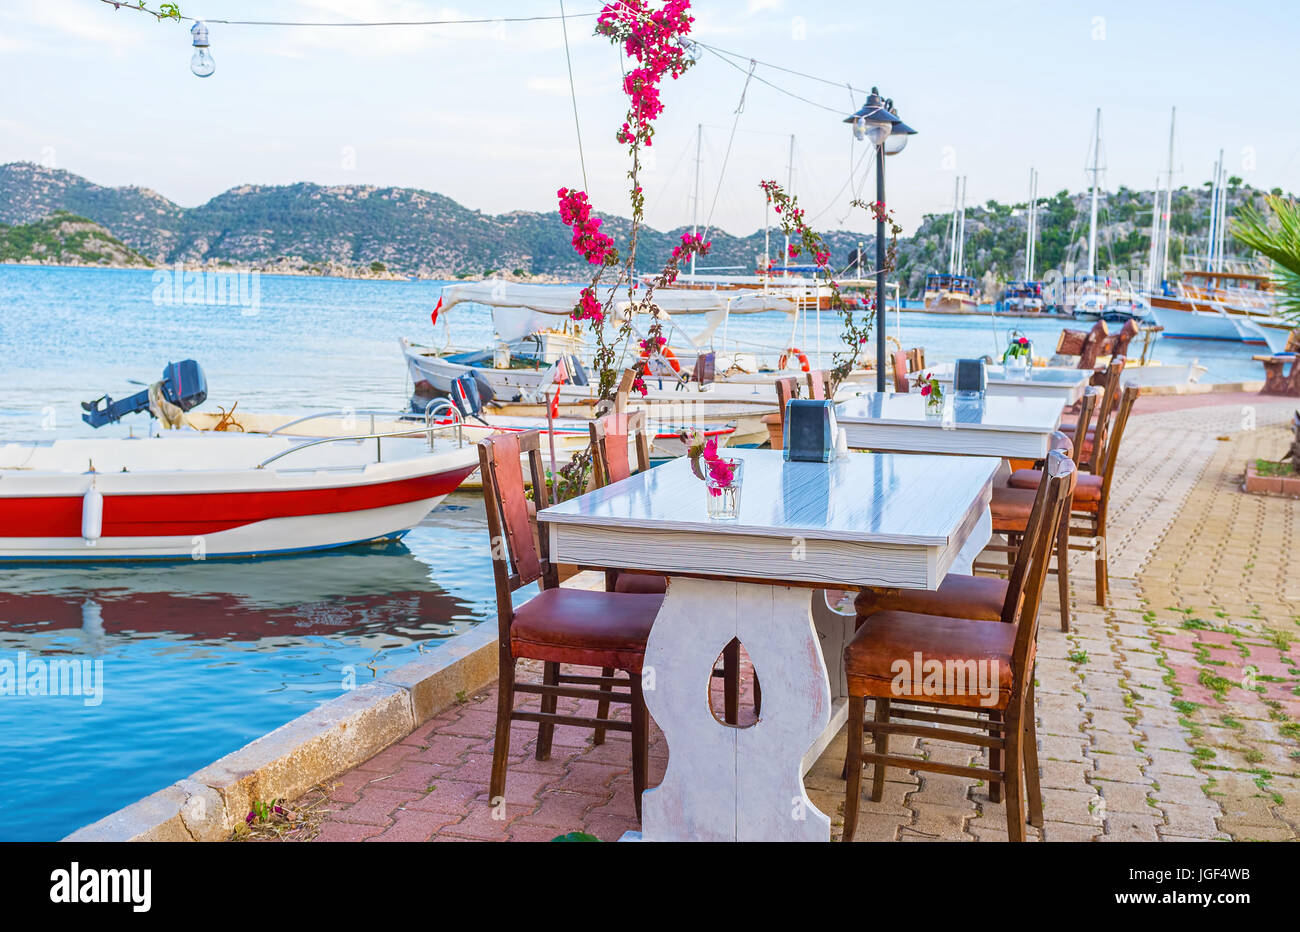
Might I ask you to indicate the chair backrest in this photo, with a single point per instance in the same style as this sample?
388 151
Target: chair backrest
900 372
786 388
519 554
703 371
916 359
1054 493
609 439
1106 458
817 385
1087 404
1021 571
1109 401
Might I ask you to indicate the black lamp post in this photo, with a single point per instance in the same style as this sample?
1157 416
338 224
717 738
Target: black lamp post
878 123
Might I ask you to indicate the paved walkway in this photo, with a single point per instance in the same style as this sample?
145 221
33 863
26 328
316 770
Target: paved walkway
1172 713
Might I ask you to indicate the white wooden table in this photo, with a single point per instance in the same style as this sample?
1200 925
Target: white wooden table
867 519
1037 382
995 425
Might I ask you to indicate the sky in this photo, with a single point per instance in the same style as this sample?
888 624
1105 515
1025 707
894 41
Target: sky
483 113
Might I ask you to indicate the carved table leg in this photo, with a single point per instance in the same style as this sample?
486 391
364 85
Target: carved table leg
725 783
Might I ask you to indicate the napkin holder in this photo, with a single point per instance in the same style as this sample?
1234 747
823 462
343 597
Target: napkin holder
809 430
970 378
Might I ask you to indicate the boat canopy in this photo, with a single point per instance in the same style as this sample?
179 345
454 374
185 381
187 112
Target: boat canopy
561 299
944 282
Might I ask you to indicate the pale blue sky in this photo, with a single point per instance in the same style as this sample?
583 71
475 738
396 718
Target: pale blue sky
483 113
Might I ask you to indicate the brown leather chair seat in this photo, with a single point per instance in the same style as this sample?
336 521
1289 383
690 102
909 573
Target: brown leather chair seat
1087 489
888 637
602 629
643 583
976 597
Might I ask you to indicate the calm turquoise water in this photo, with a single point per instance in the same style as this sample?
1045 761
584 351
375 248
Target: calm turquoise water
199 659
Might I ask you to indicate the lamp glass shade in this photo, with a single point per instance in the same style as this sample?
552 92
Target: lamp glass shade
896 143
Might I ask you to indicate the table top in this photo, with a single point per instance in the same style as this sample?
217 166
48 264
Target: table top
862 497
1014 413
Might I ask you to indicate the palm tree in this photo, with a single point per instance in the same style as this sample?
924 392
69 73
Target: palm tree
1278 238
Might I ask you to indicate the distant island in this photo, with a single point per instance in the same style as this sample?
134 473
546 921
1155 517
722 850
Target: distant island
57 217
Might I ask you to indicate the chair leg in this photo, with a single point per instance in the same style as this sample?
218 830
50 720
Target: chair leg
995 762
731 682
501 742
545 731
1030 753
1012 773
1063 569
853 765
1103 579
640 741
882 747
602 708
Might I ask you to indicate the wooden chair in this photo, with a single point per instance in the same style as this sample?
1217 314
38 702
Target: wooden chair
1006 727
786 388
1096 436
1010 510
609 445
1088 509
817 384
901 383
916 359
557 626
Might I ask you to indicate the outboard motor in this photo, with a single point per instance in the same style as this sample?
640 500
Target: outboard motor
465 395
183 384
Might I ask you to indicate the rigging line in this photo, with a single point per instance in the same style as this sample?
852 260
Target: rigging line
775 87
740 108
765 64
835 199
123 5
573 94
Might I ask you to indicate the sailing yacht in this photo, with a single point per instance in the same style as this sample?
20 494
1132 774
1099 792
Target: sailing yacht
1026 297
1089 296
954 291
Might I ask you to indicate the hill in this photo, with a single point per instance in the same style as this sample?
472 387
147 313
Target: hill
363 229
63 238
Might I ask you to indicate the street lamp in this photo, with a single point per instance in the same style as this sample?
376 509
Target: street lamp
878 123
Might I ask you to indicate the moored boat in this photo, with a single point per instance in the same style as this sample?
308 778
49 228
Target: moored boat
196 495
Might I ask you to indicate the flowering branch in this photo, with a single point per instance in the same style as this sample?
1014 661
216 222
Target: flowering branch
655 40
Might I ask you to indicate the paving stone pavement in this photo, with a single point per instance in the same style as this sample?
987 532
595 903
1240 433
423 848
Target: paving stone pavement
1168 714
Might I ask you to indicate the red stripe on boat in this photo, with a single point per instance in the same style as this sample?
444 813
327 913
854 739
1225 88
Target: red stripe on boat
186 514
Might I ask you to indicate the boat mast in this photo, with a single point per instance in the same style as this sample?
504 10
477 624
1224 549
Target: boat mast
789 189
1210 238
1222 226
1031 226
1153 256
695 202
1092 222
961 231
952 242
1169 199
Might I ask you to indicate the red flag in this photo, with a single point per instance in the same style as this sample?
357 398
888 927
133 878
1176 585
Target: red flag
436 309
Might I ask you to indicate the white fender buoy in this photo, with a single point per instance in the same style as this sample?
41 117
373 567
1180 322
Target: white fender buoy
92 515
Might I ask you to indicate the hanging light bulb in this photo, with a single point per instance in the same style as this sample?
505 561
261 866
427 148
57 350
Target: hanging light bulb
201 63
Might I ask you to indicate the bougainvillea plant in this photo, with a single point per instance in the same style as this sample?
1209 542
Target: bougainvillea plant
654 38
856 330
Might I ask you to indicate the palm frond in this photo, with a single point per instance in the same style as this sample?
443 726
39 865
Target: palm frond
1277 237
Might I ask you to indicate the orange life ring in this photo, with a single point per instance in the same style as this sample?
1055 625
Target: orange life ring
799 354
667 354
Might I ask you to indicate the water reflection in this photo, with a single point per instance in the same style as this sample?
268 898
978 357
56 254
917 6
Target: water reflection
371 593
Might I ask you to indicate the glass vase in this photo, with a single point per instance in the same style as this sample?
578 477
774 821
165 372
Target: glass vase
723 499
